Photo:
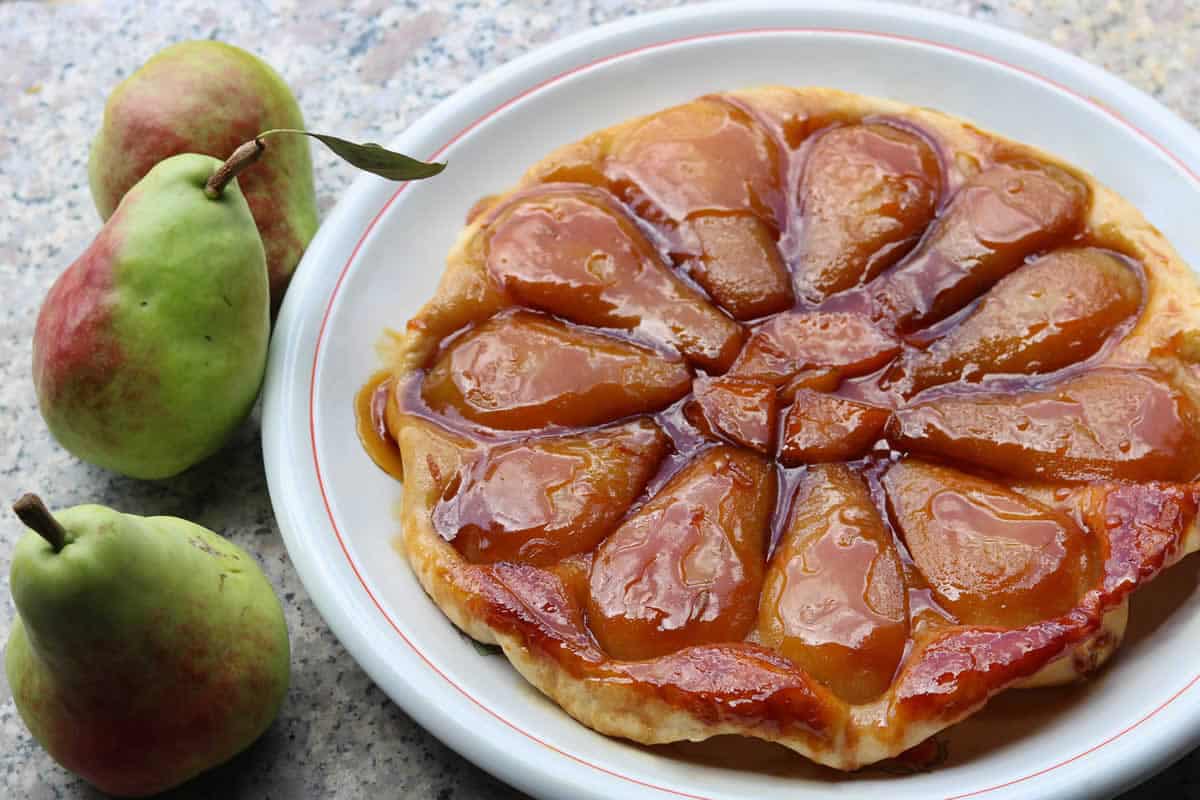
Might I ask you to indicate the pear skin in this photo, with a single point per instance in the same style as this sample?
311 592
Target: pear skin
146 650
149 350
209 97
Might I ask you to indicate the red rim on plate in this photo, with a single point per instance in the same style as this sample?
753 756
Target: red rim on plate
555 79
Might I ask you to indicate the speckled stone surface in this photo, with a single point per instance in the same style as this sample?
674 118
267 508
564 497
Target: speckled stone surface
364 70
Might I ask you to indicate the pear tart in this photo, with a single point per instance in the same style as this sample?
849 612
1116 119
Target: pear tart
799 415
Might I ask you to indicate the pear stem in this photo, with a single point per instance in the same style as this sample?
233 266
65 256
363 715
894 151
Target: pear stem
35 515
245 155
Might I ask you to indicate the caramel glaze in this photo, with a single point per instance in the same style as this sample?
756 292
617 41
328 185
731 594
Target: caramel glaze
370 410
922 625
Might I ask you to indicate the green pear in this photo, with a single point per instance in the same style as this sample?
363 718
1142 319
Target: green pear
208 97
146 649
150 348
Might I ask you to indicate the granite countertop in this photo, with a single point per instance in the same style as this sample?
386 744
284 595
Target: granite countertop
364 70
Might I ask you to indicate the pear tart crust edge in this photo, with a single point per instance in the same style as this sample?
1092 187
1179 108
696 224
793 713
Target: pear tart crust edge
653 703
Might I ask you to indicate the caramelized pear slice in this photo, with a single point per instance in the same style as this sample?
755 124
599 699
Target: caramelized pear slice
867 194
741 268
541 500
823 427
707 155
1047 315
788 344
521 371
833 598
1108 423
687 567
739 410
570 255
995 221
819 380
990 555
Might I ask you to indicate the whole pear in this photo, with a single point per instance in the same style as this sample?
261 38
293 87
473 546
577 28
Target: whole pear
208 97
150 349
146 649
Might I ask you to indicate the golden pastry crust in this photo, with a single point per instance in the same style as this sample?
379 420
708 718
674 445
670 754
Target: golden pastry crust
536 615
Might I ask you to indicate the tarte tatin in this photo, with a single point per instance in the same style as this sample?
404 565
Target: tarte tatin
799 415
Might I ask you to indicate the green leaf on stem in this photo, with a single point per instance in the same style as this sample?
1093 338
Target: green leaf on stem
372 157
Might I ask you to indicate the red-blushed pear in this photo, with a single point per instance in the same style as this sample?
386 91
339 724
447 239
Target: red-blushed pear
149 350
208 97
146 649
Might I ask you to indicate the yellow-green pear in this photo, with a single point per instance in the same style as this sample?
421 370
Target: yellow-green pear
146 649
150 349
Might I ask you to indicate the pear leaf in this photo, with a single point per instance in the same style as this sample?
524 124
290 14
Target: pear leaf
369 157
379 160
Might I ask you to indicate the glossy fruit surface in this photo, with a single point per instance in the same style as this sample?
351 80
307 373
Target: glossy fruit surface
867 195
1054 312
834 599
922 468
822 427
998 218
542 500
991 556
741 410
687 568
525 371
1102 424
575 256
788 344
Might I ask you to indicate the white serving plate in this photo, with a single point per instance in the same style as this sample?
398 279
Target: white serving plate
380 254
